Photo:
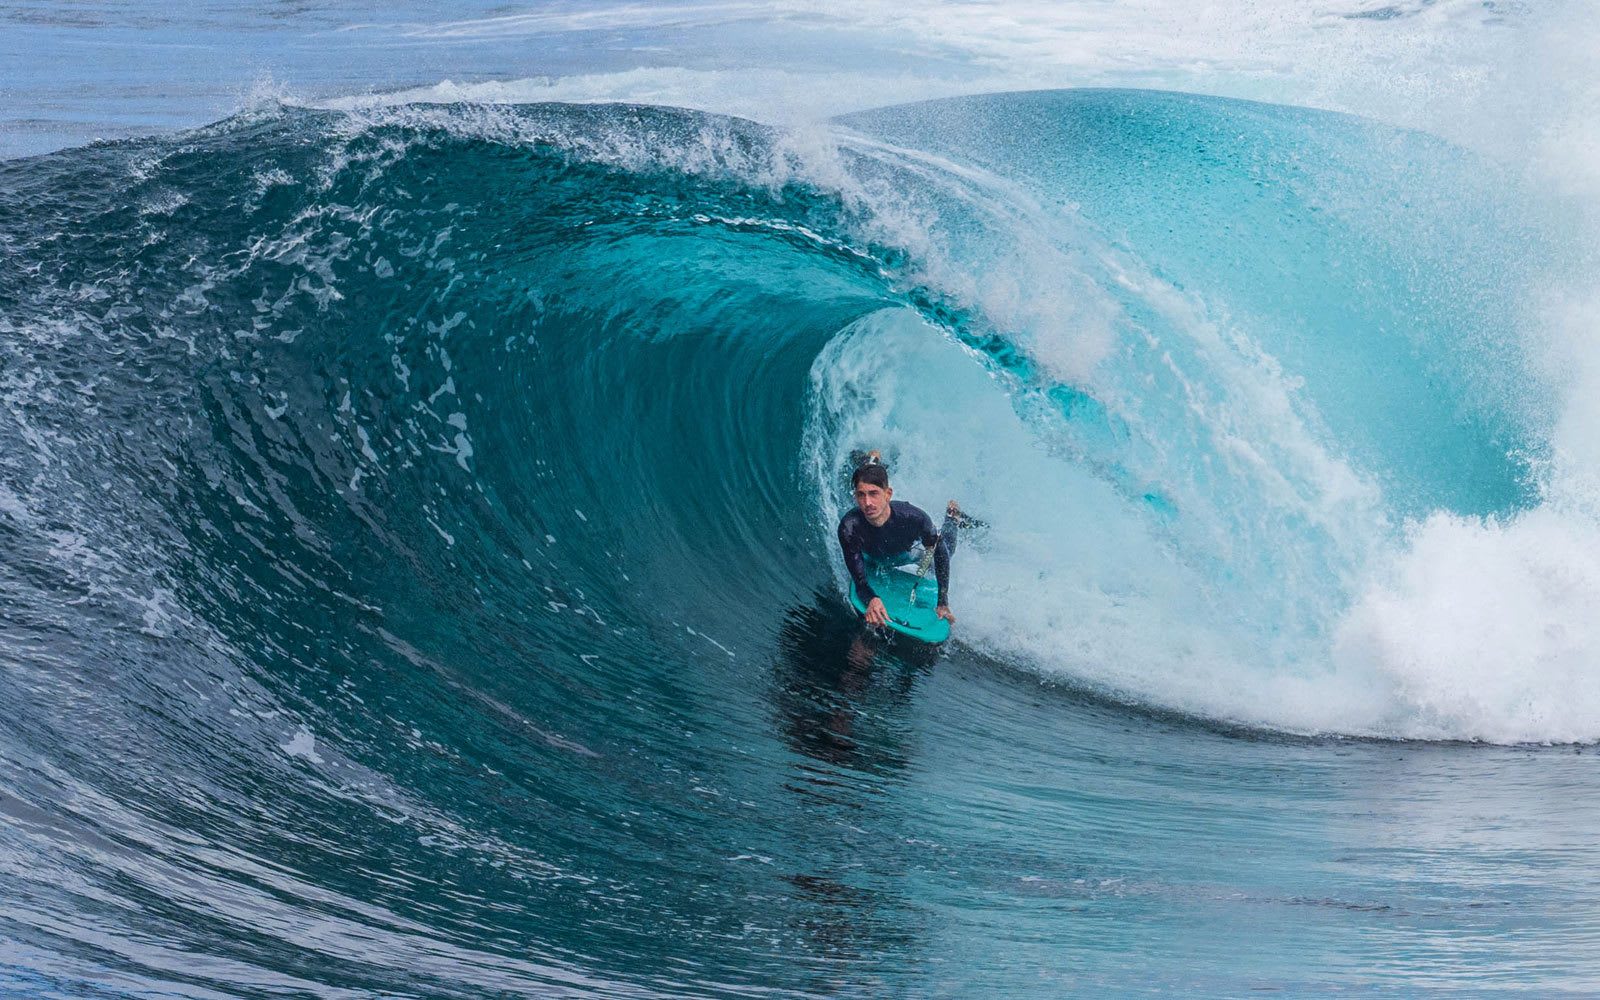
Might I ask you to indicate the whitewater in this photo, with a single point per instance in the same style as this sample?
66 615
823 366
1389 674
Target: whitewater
421 439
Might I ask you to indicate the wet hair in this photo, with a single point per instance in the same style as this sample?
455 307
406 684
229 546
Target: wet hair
871 473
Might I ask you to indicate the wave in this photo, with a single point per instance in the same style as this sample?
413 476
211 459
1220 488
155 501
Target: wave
513 403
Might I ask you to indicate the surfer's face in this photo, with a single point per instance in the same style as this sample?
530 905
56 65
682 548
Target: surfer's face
873 502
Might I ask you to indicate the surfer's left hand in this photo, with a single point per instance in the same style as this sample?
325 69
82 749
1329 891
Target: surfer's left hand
943 611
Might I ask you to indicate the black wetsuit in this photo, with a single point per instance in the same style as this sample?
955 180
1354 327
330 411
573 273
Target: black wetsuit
906 526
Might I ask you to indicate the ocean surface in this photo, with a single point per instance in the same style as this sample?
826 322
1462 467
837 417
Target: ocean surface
422 434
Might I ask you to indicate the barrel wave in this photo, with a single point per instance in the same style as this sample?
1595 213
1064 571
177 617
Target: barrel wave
443 497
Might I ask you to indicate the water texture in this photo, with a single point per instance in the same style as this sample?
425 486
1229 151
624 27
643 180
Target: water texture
416 505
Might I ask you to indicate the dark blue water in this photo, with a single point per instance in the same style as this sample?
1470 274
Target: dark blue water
416 573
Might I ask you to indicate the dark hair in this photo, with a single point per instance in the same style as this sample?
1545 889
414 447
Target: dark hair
871 473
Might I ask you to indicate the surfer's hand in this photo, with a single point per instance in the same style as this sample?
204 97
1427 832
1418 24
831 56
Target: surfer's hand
877 614
943 611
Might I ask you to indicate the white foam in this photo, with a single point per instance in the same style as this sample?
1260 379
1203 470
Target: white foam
303 744
1486 630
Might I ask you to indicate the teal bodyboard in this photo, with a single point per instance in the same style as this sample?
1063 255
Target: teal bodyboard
910 601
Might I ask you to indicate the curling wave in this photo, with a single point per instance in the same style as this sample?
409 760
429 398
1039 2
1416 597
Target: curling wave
312 398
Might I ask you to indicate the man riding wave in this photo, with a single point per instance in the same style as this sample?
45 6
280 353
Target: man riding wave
883 530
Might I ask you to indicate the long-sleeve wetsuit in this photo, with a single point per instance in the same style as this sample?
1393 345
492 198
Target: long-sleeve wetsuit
907 525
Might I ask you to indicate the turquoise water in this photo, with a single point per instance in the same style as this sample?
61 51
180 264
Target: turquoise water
417 576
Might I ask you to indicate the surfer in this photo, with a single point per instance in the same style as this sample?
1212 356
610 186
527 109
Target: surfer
883 529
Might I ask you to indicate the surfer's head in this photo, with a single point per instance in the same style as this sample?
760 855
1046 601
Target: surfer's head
872 493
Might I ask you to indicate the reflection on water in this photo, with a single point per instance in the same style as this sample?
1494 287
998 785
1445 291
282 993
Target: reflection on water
842 697
840 688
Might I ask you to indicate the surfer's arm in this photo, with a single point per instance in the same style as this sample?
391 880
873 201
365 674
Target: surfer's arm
855 562
934 541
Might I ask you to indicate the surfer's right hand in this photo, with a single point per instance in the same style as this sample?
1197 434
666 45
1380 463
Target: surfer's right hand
877 614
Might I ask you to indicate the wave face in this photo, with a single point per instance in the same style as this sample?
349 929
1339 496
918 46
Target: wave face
442 498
